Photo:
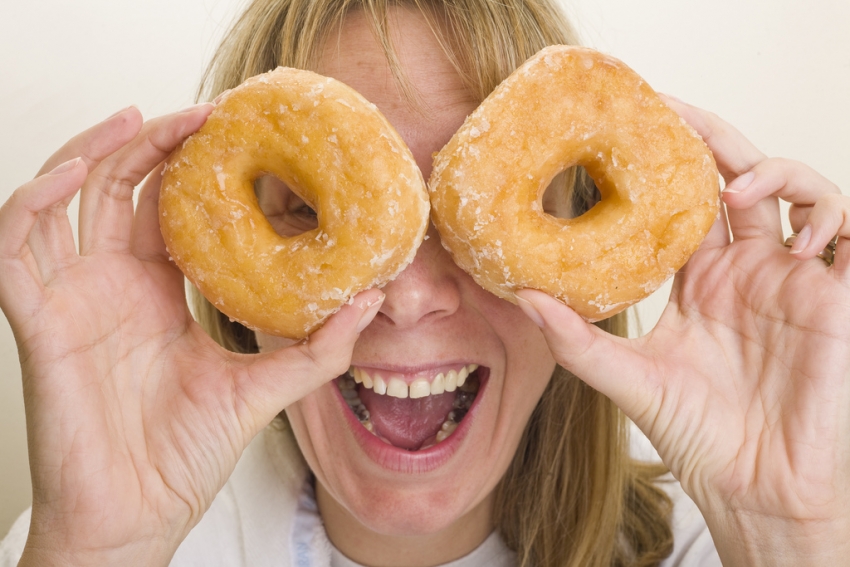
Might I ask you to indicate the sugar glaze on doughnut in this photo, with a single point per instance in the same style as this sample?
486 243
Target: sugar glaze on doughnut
339 154
574 106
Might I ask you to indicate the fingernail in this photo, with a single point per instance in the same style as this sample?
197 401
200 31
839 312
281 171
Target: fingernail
803 238
196 107
530 311
370 310
63 167
740 183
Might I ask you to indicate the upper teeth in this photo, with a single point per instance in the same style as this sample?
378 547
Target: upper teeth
419 388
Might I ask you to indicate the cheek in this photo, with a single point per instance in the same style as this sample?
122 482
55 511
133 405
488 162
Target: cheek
526 377
523 341
530 364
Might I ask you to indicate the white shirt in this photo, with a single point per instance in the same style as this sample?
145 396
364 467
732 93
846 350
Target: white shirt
266 516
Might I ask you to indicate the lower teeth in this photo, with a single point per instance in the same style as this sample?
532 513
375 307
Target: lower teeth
463 401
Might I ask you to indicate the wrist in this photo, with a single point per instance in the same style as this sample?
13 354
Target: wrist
54 543
42 554
748 539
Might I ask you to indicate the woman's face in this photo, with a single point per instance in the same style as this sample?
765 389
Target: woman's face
435 323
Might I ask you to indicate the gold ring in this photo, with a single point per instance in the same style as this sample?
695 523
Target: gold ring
827 254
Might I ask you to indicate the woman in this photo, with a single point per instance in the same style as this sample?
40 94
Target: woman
138 419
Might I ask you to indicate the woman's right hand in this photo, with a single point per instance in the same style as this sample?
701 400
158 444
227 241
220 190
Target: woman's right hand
135 417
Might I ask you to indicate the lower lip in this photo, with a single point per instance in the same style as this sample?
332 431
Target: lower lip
414 462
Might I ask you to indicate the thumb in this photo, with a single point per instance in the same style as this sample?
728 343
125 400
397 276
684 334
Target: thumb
605 362
272 381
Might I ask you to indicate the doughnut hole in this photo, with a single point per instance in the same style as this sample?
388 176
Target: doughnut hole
559 201
657 179
288 213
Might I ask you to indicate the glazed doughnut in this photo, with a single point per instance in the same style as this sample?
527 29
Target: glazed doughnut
332 148
573 106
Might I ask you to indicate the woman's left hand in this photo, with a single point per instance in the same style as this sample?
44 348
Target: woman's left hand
743 386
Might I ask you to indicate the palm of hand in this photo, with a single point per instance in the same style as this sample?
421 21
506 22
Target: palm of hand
743 384
750 356
114 340
136 417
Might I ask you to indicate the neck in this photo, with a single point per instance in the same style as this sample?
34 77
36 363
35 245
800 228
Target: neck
364 546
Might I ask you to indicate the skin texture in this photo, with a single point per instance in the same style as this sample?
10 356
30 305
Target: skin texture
126 387
433 313
136 418
743 384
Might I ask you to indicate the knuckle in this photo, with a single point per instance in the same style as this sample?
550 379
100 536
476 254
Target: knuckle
833 201
13 202
572 353
112 184
830 199
20 200
327 364
792 166
783 166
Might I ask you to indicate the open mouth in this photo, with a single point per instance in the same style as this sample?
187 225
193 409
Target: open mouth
411 412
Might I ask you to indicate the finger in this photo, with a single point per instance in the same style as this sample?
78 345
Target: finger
51 239
50 233
275 380
605 362
106 201
786 179
21 282
146 242
830 217
735 156
99 141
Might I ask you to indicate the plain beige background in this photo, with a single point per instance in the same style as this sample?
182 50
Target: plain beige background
777 69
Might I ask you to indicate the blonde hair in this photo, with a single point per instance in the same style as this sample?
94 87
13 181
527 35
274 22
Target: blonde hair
572 495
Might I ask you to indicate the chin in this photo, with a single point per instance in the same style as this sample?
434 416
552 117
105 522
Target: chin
412 512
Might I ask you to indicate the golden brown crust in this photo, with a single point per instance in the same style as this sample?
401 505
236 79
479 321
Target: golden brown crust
567 106
342 155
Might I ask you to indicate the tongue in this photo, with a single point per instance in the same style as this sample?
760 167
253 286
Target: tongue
406 423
